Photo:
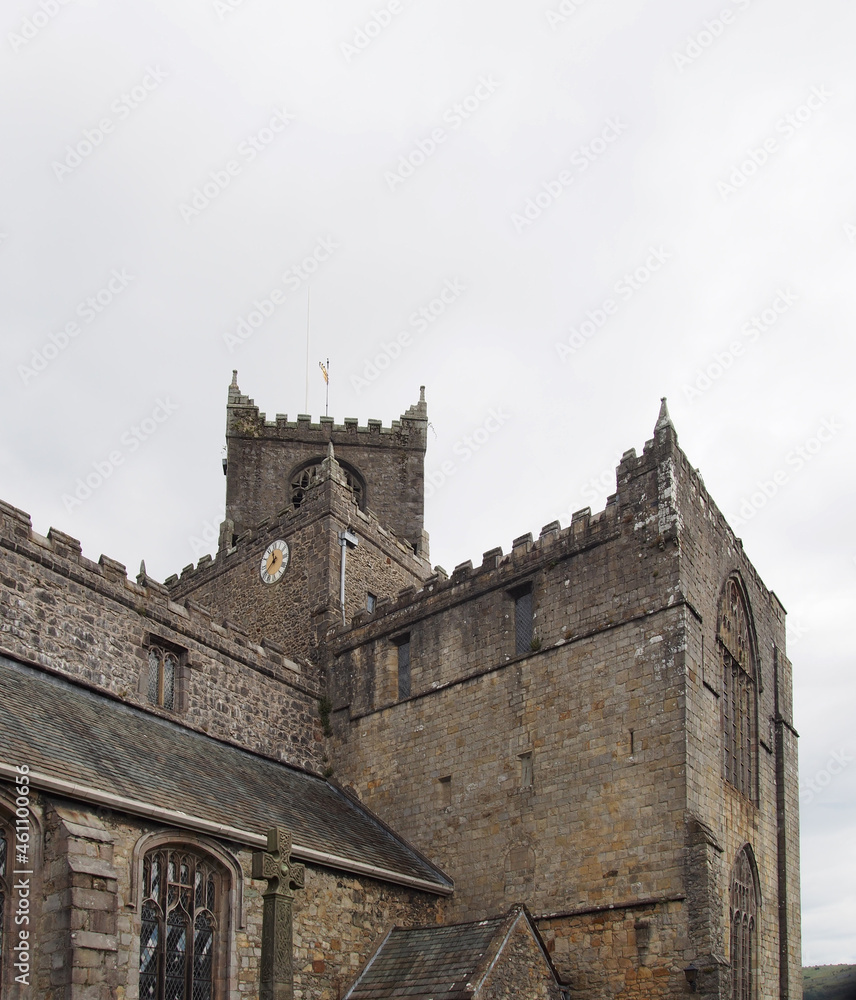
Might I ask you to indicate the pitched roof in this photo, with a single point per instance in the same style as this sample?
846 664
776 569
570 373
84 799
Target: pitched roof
94 748
427 962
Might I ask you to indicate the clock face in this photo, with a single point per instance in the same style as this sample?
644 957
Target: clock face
274 561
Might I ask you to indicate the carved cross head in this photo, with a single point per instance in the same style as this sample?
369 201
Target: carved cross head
275 864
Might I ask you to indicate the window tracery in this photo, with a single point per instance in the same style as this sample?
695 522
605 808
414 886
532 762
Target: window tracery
739 712
307 476
179 929
163 673
744 921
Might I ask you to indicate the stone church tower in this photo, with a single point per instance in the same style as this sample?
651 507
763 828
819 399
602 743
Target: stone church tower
596 723
568 771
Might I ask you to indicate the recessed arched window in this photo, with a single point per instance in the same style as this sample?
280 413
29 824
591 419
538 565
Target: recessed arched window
304 476
739 700
181 928
163 674
743 910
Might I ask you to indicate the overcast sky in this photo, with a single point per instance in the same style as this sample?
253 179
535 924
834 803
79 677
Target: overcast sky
550 214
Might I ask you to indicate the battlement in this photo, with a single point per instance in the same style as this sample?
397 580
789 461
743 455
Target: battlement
245 420
266 459
61 554
681 485
498 570
290 519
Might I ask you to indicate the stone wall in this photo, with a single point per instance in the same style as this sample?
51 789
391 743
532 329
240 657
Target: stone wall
86 931
303 604
583 776
710 554
86 620
520 970
262 456
554 776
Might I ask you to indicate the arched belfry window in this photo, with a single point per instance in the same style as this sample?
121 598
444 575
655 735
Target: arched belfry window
739 712
743 911
307 474
181 926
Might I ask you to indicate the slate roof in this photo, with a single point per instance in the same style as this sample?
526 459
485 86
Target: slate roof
425 963
64 731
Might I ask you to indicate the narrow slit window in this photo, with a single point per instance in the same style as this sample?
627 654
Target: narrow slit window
523 631
403 667
445 791
526 771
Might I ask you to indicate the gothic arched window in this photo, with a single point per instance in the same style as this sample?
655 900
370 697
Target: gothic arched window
743 912
304 477
180 944
738 690
163 674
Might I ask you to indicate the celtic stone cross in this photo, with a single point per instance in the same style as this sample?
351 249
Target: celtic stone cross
283 877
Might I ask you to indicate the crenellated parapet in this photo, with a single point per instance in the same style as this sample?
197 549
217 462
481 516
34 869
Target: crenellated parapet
317 503
497 571
243 418
88 620
385 465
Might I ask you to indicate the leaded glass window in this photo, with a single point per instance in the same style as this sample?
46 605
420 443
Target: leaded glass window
744 921
178 928
163 670
738 691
